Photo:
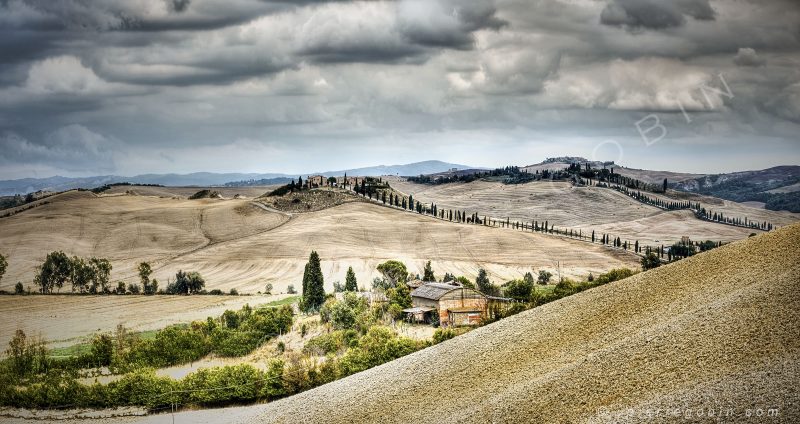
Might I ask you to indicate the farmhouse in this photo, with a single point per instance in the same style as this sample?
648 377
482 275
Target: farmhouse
456 305
316 181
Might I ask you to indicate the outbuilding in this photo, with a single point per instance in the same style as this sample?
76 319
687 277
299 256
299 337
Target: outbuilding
456 305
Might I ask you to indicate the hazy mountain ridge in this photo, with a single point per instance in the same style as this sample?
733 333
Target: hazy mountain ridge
200 179
760 186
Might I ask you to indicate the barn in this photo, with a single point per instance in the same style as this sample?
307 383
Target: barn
455 304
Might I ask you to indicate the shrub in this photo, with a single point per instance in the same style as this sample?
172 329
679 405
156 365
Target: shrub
650 261
18 288
544 277
291 289
102 350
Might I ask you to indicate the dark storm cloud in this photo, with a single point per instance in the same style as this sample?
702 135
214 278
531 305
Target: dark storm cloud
447 24
655 14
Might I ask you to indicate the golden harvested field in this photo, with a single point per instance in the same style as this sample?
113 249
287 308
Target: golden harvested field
236 244
715 330
63 320
589 208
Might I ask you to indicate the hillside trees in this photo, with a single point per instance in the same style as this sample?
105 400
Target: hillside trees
186 283
54 272
313 289
350 283
148 287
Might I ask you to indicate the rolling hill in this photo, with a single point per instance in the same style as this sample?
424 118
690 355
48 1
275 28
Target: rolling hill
235 243
715 331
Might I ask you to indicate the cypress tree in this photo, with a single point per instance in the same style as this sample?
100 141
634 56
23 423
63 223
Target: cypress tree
313 290
350 283
428 273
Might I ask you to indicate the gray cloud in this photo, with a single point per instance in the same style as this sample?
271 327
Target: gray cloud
246 84
655 14
748 57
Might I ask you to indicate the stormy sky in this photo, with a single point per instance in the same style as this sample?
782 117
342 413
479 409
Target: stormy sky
126 87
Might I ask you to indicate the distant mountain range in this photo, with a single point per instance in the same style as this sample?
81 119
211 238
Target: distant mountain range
207 179
777 187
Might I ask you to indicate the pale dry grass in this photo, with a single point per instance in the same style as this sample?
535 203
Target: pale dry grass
65 320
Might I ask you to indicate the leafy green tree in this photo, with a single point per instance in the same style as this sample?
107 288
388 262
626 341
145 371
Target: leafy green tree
54 272
650 261
18 288
519 289
394 272
313 285
186 283
428 273
81 274
268 287
484 285
399 298
350 283
544 277
464 281
144 277
528 278
101 272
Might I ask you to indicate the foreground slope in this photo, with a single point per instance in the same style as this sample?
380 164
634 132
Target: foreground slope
716 330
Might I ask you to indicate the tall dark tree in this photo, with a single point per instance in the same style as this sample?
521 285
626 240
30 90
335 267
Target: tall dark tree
428 273
313 285
484 285
350 283
665 185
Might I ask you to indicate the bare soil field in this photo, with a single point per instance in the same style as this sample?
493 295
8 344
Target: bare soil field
710 331
591 208
64 320
124 229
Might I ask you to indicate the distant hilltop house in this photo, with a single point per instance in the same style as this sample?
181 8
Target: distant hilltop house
456 305
316 181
